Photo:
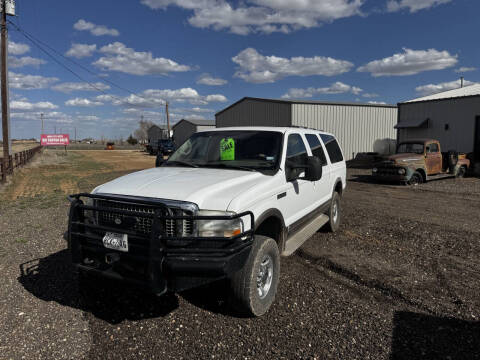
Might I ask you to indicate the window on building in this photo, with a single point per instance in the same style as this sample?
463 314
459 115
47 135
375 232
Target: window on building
333 149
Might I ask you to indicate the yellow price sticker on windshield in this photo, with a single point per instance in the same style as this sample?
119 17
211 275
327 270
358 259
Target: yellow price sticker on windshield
227 149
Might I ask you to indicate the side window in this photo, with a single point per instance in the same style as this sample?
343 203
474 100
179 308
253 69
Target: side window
333 148
296 153
316 147
432 148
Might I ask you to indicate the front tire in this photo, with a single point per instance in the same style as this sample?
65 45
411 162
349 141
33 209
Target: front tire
254 287
462 171
334 213
416 179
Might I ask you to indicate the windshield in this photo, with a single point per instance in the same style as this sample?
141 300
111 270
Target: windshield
416 148
241 150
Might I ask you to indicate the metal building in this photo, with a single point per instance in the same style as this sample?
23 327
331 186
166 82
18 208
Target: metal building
452 117
183 129
155 133
359 127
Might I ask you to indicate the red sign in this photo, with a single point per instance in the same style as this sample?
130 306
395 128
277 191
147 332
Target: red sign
55 140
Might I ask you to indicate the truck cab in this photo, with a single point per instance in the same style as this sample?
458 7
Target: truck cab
419 160
228 203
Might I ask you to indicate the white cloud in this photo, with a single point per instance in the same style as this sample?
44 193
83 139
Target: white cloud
52 116
465 69
377 102
335 88
264 16
15 48
370 95
17 62
430 89
83 102
121 58
28 106
97 30
29 82
81 50
207 79
410 62
200 110
88 118
413 5
152 98
256 68
69 87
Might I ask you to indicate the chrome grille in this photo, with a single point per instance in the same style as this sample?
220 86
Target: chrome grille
144 225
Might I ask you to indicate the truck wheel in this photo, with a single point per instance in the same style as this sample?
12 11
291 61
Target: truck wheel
461 172
334 213
416 179
254 287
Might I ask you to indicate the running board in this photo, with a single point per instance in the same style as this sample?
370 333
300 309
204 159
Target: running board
297 240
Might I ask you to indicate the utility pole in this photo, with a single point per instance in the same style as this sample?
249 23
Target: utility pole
168 118
461 82
41 117
55 129
4 90
75 134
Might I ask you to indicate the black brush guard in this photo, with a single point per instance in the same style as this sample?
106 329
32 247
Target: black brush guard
154 261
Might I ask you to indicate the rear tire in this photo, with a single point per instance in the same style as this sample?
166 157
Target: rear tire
253 288
416 179
334 213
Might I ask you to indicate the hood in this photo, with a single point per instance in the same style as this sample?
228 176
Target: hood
210 189
407 157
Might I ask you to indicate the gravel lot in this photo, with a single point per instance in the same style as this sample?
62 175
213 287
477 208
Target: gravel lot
399 280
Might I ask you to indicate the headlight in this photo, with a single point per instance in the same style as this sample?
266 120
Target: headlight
401 171
374 170
218 228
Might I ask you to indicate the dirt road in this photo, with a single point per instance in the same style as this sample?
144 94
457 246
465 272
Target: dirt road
399 280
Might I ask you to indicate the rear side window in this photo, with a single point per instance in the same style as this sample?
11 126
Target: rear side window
333 149
316 147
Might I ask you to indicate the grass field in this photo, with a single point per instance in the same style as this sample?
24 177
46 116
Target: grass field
18 146
55 173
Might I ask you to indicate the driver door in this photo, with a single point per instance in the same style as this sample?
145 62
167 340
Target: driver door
433 159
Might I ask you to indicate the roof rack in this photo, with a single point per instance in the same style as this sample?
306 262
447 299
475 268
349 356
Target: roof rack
305 127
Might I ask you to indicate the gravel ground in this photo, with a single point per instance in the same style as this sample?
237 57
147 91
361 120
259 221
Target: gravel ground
399 280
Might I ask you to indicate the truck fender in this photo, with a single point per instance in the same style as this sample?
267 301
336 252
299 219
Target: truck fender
280 234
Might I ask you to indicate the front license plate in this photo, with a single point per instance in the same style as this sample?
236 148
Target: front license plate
116 241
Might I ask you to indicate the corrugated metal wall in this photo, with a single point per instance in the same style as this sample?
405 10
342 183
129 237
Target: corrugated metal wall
182 131
459 114
358 128
256 113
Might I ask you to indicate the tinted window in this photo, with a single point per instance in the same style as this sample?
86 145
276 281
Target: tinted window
296 152
333 149
316 147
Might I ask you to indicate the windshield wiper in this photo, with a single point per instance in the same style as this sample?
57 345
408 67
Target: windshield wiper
227 166
182 163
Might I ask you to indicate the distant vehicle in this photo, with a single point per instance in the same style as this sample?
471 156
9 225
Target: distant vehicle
420 160
162 147
226 204
110 146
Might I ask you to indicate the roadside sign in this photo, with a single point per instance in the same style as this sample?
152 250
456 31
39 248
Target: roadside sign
10 5
55 140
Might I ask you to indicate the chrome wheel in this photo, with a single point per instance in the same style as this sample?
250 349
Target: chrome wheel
264 276
335 211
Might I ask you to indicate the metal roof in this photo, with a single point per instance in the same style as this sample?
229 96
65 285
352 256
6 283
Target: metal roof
470 90
411 124
313 102
197 122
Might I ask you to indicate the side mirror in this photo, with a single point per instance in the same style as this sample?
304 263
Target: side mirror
159 160
314 169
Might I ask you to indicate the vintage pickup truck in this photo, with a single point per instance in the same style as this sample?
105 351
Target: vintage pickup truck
420 160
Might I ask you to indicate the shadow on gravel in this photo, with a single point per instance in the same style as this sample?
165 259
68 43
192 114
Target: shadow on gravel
51 279
419 336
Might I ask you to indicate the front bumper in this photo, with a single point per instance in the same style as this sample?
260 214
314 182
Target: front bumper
156 262
390 174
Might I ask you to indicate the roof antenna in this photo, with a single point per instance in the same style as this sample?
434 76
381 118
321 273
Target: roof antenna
461 81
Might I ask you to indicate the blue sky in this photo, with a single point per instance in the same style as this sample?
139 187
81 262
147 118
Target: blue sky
203 55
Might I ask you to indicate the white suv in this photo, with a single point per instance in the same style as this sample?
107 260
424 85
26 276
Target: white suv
227 204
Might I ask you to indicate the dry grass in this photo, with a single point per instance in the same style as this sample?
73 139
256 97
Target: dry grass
55 173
